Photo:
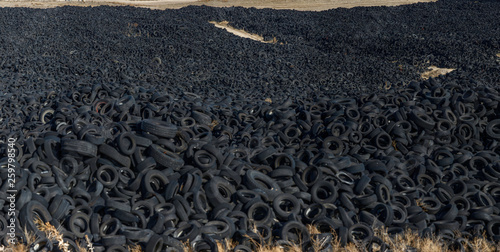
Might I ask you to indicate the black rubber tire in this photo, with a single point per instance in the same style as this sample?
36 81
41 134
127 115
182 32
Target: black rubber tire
361 184
28 213
324 192
41 244
137 234
360 232
216 227
384 213
258 180
166 158
114 155
422 120
155 244
107 175
201 117
292 230
113 240
79 147
493 129
259 213
447 213
204 160
159 128
117 247
154 181
431 205
219 190
333 145
79 224
109 227
187 231
126 143
383 193
493 228
284 213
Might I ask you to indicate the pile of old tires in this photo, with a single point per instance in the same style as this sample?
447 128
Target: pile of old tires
335 52
127 166
136 126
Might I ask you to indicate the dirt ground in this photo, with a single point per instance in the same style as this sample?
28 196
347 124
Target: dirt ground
303 5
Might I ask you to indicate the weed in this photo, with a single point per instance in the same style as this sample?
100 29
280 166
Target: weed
52 234
398 242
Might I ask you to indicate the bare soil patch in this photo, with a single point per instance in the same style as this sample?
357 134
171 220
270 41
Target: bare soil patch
435 71
241 33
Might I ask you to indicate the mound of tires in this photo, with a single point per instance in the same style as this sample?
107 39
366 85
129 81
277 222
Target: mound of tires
335 52
129 166
116 146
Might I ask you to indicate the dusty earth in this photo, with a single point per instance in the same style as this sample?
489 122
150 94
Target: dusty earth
434 71
239 32
304 5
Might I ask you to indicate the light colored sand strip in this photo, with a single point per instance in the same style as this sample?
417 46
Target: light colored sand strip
307 5
241 33
435 71
302 5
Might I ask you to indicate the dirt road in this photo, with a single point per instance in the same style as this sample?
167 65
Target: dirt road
303 5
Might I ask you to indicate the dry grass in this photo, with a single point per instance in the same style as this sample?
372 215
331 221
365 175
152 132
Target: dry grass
410 239
20 247
397 243
134 248
402 242
52 234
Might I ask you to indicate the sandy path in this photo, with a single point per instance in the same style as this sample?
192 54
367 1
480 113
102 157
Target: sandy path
434 71
314 5
238 32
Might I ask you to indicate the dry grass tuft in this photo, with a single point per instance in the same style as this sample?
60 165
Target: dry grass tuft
226 244
408 239
134 248
20 247
213 124
187 246
481 244
318 243
401 242
52 234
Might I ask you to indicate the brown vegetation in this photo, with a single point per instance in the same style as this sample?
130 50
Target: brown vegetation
397 243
